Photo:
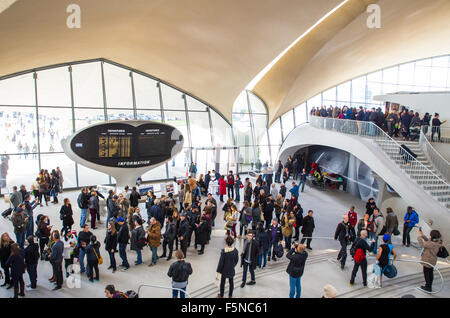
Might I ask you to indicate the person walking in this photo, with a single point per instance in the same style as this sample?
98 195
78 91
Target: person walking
410 219
249 259
229 257
111 245
31 254
358 252
391 222
179 272
123 235
345 233
66 216
16 262
56 258
93 258
308 229
154 239
384 258
297 258
430 250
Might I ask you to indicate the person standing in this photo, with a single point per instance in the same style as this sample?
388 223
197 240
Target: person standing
5 252
275 236
278 171
352 217
287 226
308 229
154 239
430 250
84 238
123 235
297 258
201 236
378 227
137 241
229 257
179 272
56 258
169 236
15 198
183 233
31 260
249 259
66 216
436 127
384 257
29 207
370 206
345 233
93 258
111 245
20 220
263 239
391 222
302 181
61 179
268 208
237 188
134 198
16 262
360 247
94 208
83 204
230 184
207 180
222 188
411 218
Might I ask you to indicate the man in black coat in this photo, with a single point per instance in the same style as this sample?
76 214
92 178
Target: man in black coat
207 181
275 236
123 236
361 243
249 259
169 236
308 229
298 211
229 257
31 260
297 258
183 233
268 211
345 233
134 198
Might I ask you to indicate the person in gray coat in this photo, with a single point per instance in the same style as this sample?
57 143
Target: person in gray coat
15 198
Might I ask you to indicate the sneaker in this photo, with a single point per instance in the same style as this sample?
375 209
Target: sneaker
309 248
351 283
109 267
252 283
150 265
426 289
57 287
91 280
97 279
114 270
242 285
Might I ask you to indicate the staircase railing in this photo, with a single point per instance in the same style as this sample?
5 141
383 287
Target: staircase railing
439 162
409 164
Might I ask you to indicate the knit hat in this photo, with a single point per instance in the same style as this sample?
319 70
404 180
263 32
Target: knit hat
329 292
386 237
120 219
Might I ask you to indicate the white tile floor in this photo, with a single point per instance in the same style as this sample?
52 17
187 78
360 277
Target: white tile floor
328 206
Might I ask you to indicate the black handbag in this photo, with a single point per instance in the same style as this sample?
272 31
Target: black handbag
443 253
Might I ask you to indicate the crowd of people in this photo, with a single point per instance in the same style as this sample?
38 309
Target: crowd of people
270 222
404 121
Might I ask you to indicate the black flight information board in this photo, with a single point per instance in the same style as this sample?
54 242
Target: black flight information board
125 145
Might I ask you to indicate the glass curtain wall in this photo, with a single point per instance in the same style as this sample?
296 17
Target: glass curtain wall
250 132
40 107
431 74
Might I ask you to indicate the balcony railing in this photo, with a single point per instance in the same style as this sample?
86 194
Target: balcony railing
410 165
439 162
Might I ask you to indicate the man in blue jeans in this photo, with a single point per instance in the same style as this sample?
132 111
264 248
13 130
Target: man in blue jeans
84 238
378 224
297 257
303 179
249 259
411 218
123 236
275 235
83 204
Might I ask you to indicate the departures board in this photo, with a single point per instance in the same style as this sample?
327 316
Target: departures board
126 145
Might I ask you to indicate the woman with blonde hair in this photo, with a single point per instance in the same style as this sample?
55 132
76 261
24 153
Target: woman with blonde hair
176 221
5 251
188 194
130 213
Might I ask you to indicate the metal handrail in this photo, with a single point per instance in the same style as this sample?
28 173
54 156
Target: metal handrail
439 162
370 130
163 287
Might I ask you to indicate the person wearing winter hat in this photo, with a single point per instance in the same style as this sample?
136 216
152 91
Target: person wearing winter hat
329 292
384 258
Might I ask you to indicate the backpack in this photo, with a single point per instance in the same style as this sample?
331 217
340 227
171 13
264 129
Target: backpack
443 253
279 252
359 255
129 294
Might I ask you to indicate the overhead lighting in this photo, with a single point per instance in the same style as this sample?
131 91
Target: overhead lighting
258 77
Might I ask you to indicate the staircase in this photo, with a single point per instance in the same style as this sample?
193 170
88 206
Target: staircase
432 185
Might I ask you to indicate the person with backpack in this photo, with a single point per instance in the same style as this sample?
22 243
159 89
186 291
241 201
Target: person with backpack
249 259
431 248
345 233
94 258
411 218
275 236
229 257
384 258
358 252
179 272
297 258
83 204
123 235
134 198
137 240
20 221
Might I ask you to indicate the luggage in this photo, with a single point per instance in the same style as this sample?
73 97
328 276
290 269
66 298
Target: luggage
390 271
279 252
7 212
130 294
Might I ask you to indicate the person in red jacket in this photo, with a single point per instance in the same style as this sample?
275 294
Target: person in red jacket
230 184
222 188
352 217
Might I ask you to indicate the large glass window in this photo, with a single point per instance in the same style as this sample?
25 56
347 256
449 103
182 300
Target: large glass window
117 87
300 114
54 87
172 99
18 90
87 85
146 92
53 127
287 122
201 135
18 127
